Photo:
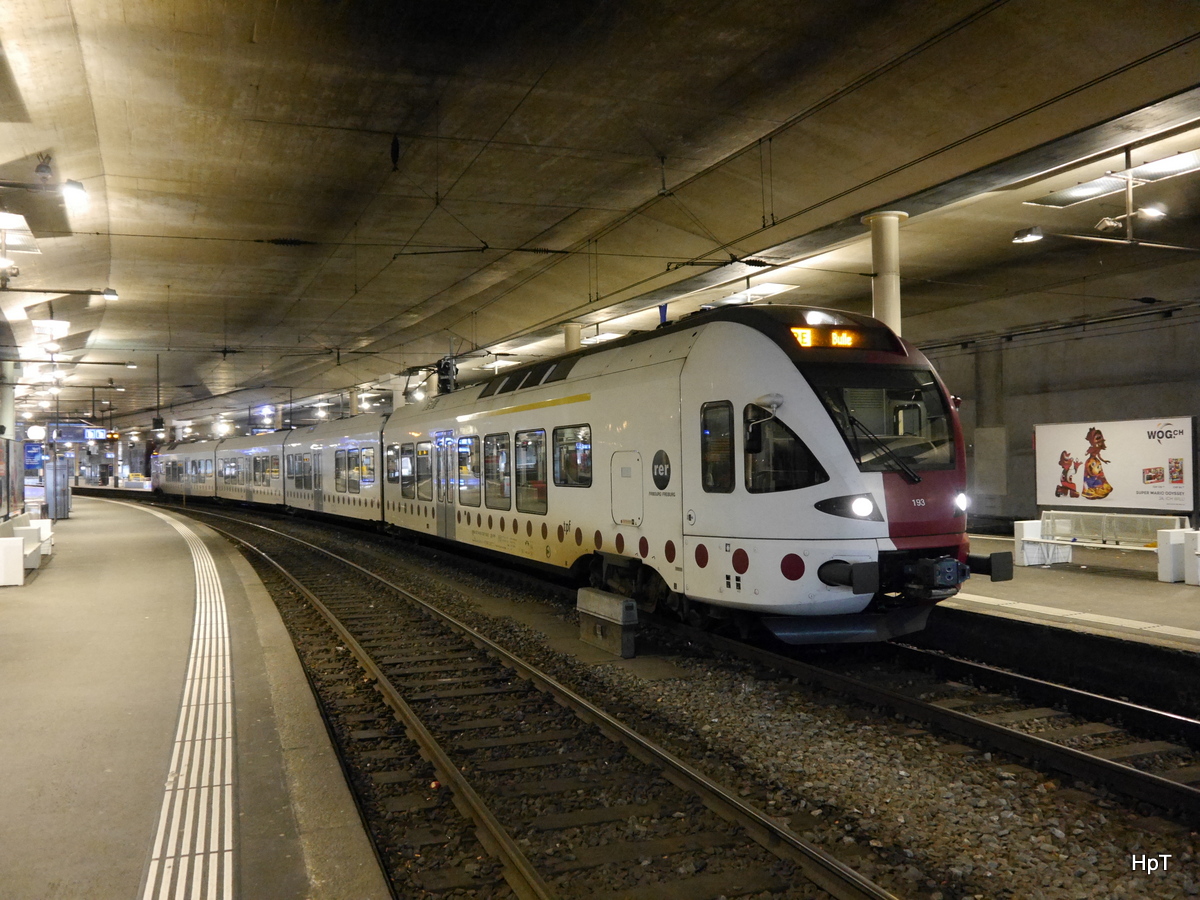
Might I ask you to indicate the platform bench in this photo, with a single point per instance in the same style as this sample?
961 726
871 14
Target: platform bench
1050 539
23 543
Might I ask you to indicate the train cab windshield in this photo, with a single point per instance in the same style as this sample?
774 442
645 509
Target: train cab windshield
892 418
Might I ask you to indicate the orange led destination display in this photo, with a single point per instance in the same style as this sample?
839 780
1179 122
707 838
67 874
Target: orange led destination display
828 337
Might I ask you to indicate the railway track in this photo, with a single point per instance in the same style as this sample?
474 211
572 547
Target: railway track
555 797
1143 754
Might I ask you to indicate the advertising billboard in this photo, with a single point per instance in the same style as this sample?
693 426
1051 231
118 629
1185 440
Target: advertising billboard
1143 464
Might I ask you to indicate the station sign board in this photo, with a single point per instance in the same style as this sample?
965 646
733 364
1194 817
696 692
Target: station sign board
77 433
33 455
1142 464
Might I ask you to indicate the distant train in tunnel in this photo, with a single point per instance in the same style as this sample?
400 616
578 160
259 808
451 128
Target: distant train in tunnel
796 467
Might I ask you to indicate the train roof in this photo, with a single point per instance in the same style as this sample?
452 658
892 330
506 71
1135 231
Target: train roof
775 321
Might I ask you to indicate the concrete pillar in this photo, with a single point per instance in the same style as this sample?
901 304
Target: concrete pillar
572 336
354 402
277 419
8 400
989 387
885 256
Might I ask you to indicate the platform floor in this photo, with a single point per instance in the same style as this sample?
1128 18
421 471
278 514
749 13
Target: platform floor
1114 592
150 752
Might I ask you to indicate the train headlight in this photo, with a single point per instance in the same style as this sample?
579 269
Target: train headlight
855 506
862 507
962 501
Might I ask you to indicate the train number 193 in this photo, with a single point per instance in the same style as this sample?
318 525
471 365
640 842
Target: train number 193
919 501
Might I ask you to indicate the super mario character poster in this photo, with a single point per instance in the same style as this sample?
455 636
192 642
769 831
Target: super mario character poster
1141 464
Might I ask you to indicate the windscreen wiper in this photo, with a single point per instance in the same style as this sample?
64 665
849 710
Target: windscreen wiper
891 454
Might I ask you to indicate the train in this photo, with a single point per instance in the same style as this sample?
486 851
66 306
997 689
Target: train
790 467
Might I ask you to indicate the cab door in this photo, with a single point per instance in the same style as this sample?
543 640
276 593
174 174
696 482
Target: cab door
445 453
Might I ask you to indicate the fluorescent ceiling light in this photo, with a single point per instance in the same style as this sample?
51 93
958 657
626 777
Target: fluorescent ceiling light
499 364
757 292
17 236
75 195
1114 182
1028 235
601 337
50 328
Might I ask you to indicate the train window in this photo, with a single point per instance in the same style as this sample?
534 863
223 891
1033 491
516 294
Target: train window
256 470
716 447
243 471
274 471
208 468
408 472
468 470
891 418
368 466
531 471
317 479
776 460
497 472
561 369
424 471
304 479
289 466
573 456
339 471
353 470
391 463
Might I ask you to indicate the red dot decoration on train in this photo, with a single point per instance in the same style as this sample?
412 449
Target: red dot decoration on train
599 540
741 561
643 547
578 537
792 567
701 555
669 551
620 542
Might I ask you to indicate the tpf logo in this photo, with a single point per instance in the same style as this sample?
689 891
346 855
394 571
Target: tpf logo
660 470
1165 430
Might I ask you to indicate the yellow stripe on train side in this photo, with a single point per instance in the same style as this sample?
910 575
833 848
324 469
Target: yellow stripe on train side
525 407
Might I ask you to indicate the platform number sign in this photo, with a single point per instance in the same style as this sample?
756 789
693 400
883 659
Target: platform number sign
660 470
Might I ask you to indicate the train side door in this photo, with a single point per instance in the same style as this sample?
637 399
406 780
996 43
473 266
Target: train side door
445 450
627 495
318 488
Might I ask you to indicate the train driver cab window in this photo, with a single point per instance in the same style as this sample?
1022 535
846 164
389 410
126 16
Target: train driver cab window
339 471
573 456
353 470
368 466
531 471
408 473
391 463
425 470
776 460
468 470
716 447
497 471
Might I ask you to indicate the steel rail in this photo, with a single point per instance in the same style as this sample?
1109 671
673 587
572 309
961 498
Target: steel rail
519 872
826 872
1126 780
1135 715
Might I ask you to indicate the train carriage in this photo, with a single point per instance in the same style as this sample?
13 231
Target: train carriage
334 467
184 469
248 468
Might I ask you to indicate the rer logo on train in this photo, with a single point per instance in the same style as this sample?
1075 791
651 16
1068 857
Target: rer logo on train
660 470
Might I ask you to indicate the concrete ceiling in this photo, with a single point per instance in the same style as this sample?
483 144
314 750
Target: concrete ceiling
294 198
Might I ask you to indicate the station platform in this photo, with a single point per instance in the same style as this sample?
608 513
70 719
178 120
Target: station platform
1113 592
159 737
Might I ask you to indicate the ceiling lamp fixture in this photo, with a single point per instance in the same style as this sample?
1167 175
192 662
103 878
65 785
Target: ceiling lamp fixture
600 337
1028 235
74 194
1115 182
